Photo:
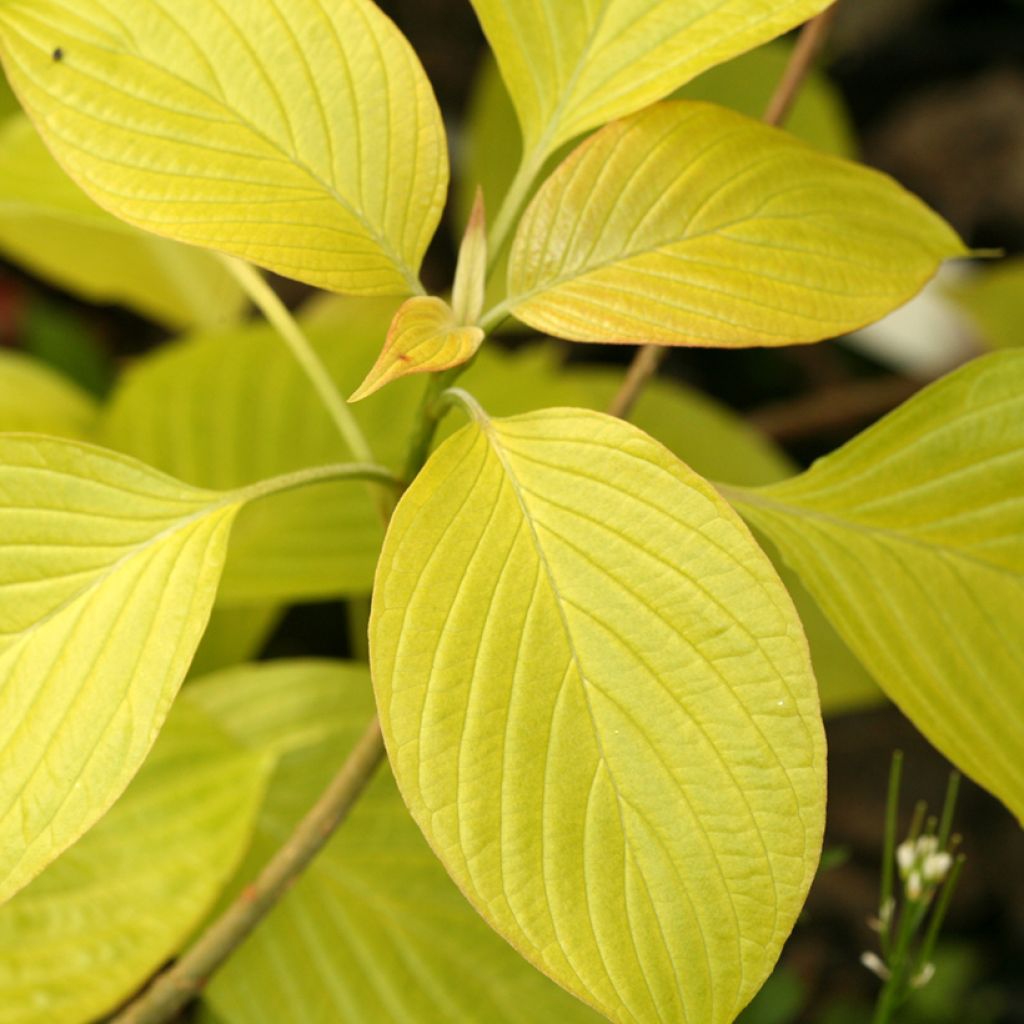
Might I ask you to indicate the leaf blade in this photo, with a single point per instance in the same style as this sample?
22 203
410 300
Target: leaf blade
109 572
574 68
87 932
690 224
911 539
475 759
130 106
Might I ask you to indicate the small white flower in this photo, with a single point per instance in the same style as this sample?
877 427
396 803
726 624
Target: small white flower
874 963
906 854
936 866
923 976
915 886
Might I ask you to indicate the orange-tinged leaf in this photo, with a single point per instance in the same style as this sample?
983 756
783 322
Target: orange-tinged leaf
424 337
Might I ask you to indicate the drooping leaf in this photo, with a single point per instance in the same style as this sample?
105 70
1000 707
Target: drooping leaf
911 538
108 912
108 571
107 574
301 135
49 225
688 224
375 896
599 708
35 398
571 67
234 634
225 409
746 84
424 337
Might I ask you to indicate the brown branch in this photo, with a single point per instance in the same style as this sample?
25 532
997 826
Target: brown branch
812 35
179 984
808 45
833 408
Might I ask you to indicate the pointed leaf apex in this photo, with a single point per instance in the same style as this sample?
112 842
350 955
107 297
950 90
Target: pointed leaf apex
471 273
424 337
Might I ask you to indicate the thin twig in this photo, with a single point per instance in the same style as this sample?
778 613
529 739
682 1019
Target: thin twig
808 46
173 989
812 35
644 366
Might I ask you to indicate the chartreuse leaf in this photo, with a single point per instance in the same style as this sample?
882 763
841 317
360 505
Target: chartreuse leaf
911 537
600 710
226 409
571 67
99 920
301 135
48 224
424 337
688 224
374 930
108 573
35 398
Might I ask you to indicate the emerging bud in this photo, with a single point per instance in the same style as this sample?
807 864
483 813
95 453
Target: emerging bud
936 866
915 886
923 976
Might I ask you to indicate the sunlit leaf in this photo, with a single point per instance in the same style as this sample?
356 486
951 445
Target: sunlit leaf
35 398
911 538
688 224
107 913
301 135
424 338
708 437
600 710
48 224
108 573
574 66
224 410
376 895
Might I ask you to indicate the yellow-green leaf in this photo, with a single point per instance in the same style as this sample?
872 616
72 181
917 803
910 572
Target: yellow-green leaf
573 66
599 708
375 895
911 538
688 224
37 399
301 135
226 409
424 337
99 920
50 226
108 570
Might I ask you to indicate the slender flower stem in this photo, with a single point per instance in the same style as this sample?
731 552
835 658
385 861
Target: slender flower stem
173 989
530 166
267 301
892 809
807 47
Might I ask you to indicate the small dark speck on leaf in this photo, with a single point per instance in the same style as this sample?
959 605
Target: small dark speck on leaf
58 54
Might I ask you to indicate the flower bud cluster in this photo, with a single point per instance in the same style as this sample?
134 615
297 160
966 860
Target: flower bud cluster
922 865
